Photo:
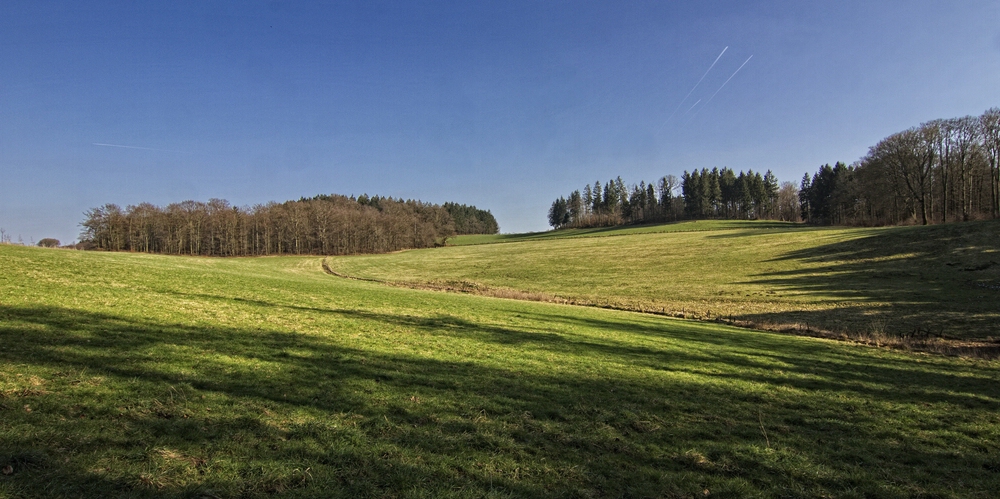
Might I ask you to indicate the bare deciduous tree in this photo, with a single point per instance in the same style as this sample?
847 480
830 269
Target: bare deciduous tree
321 225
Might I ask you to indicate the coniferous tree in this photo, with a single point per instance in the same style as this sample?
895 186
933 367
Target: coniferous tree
689 191
471 220
804 197
714 191
621 195
588 199
575 208
667 185
704 193
611 198
558 214
649 210
770 185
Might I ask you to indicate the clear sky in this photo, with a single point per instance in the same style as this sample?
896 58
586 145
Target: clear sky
505 105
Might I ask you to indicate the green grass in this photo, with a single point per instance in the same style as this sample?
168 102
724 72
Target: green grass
938 280
698 226
131 375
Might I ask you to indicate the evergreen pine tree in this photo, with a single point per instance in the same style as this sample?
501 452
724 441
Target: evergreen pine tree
558 215
714 193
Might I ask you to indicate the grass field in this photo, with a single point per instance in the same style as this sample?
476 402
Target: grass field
131 375
667 228
941 280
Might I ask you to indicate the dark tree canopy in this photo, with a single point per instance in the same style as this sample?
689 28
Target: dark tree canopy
471 220
558 213
704 194
722 193
615 203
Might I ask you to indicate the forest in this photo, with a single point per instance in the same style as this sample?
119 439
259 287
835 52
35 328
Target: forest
324 224
614 203
940 171
715 193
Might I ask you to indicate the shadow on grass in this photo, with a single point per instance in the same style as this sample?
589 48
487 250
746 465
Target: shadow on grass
144 408
667 227
822 365
771 228
941 280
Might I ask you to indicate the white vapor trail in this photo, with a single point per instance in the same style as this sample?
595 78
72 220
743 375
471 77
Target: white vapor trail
730 78
131 147
720 88
692 107
679 104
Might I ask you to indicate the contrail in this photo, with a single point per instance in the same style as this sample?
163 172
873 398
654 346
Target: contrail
692 107
132 147
720 88
693 89
730 78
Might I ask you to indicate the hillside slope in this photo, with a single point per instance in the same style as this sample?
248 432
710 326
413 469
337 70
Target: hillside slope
133 375
941 280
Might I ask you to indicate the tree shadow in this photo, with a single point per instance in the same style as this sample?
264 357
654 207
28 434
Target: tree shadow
824 365
765 228
256 412
668 227
941 280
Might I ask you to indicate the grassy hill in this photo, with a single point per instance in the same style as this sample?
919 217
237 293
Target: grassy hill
133 375
941 280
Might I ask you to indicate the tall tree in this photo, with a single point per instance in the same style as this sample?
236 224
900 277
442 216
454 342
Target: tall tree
770 185
574 206
691 190
649 210
598 206
909 156
989 124
667 185
788 202
558 214
714 191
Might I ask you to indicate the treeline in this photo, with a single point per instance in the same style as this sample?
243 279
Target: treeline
715 193
939 171
615 203
325 224
722 193
471 220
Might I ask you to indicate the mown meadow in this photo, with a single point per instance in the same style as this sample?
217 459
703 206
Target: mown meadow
130 375
923 281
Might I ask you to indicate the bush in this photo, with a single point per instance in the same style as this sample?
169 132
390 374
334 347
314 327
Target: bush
48 242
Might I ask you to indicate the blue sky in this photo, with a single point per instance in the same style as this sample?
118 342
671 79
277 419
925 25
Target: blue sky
504 105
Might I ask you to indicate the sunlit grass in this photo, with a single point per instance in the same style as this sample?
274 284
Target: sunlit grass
147 376
694 226
937 280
